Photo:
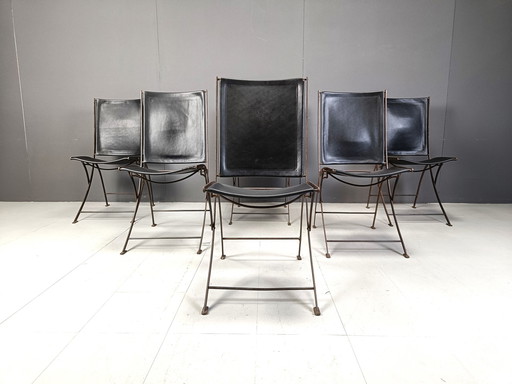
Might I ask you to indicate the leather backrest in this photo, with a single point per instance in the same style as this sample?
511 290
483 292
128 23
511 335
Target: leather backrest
261 127
408 126
174 127
352 128
117 127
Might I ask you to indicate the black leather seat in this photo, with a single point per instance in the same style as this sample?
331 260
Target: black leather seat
352 131
116 143
173 135
261 133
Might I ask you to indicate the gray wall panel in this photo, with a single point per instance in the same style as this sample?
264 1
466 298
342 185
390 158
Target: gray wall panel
479 118
246 39
70 51
400 45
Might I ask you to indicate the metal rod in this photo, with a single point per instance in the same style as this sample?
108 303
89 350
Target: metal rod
166 237
234 288
262 238
362 241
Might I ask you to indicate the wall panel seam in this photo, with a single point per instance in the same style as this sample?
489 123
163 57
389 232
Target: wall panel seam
449 79
22 104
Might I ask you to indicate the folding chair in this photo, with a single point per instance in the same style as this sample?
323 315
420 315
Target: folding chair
352 131
173 135
408 143
260 132
116 143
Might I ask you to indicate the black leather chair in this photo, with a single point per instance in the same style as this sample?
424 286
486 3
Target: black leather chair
408 143
261 133
352 131
173 135
116 143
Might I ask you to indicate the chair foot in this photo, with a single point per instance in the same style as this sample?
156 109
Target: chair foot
204 311
328 255
448 224
74 222
372 227
123 252
390 225
405 255
314 226
199 251
316 311
223 257
299 257
153 225
107 205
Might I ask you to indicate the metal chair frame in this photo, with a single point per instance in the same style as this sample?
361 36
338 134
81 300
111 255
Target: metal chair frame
216 191
381 176
110 155
414 157
260 198
148 176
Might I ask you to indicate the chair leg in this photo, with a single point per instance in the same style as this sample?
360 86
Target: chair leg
231 214
288 205
151 200
134 187
103 186
380 196
309 219
434 185
370 189
204 173
132 223
317 198
419 187
386 210
299 257
213 214
315 210
199 250
223 254
394 217
392 197
150 192
236 182
369 194
320 199
89 183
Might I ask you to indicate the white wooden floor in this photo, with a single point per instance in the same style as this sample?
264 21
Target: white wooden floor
73 310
